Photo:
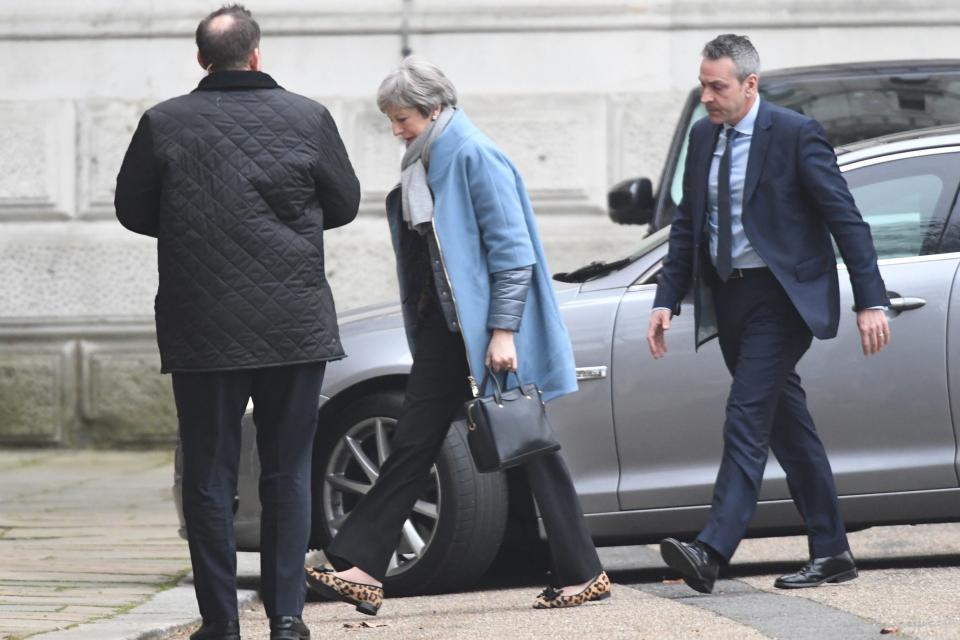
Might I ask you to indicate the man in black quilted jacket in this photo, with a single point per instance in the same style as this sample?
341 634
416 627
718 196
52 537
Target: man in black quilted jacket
237 181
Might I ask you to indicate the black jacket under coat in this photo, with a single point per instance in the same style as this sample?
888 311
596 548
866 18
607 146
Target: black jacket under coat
237 181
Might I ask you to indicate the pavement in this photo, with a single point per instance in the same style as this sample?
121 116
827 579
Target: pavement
89 547
89 551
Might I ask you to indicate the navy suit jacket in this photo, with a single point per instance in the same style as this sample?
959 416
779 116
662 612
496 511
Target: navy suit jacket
794 200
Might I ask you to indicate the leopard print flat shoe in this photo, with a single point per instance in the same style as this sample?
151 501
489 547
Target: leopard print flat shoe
366 597
598 589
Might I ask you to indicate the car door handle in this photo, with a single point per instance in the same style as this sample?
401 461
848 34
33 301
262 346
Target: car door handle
591 373
905 304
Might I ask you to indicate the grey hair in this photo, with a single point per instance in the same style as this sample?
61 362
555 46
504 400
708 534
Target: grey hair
416 84
737 48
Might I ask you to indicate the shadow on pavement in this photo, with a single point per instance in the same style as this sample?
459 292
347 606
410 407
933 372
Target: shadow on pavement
748 569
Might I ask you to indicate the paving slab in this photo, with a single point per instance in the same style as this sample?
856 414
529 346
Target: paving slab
84 535
165 612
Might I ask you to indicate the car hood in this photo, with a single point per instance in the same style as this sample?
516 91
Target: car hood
375 317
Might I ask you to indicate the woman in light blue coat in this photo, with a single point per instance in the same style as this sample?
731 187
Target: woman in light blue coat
476 292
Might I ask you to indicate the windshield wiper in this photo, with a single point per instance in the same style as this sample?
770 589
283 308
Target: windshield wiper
592 270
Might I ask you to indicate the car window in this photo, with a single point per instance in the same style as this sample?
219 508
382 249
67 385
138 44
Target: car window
950 241
854 108
676 189
905 201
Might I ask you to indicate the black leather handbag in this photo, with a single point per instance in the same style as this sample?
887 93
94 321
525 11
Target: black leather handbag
509 427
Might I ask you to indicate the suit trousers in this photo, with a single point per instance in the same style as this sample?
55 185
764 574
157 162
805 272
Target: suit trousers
436 391
762 338
210 406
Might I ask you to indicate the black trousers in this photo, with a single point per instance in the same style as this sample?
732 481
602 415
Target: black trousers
762 338
436 389
210 406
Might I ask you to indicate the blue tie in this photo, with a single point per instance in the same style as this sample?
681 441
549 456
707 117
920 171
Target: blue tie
724 212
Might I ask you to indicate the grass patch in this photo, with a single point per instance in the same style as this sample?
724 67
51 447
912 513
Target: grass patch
173 581
27 461
169 583
127 608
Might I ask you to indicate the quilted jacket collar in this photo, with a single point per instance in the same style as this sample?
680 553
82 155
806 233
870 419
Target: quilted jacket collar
236 81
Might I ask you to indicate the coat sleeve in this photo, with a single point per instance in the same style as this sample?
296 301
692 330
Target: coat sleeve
137 198
508 297
826 187
338 188
495 194
674 279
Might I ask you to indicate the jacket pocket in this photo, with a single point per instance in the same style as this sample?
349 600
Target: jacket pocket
814 267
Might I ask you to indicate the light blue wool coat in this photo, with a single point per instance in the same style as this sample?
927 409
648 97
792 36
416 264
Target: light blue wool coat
484 223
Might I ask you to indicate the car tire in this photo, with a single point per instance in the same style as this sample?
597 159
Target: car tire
472 506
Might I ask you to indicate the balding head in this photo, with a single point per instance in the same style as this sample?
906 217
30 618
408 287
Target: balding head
228 39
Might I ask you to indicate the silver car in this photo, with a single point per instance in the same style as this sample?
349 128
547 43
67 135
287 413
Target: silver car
644 455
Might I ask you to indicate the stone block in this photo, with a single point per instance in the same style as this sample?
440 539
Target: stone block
104 132
83 270
376 153
641 129
36 391
558 143
125 400
146 18
36 166
359 263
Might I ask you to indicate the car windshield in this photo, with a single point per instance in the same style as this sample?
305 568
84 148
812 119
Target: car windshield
650 242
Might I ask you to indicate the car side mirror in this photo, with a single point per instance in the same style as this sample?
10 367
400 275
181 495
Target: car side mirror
631 201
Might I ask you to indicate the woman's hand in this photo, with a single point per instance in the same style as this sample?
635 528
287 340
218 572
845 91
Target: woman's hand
502 353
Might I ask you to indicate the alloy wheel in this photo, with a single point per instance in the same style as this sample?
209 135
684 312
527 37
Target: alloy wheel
353 467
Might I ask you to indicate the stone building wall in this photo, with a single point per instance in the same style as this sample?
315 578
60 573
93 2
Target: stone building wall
580 93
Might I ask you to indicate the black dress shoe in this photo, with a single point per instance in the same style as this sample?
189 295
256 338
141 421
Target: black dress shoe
217 631
839 568
697 564
288 628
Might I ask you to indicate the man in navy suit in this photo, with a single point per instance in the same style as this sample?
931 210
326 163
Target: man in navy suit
762 196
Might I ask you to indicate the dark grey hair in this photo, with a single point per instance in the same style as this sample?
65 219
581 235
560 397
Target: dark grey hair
737 48
229 47
416 84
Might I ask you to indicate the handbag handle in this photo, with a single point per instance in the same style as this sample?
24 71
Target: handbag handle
498 388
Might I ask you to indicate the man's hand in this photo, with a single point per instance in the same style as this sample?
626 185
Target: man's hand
874 330
659 322
502 353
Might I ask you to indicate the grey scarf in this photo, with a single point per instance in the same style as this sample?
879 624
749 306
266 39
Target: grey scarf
415 191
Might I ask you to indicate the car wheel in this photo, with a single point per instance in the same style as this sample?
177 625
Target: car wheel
456 527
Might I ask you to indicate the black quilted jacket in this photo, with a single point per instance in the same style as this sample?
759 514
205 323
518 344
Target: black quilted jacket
237 181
